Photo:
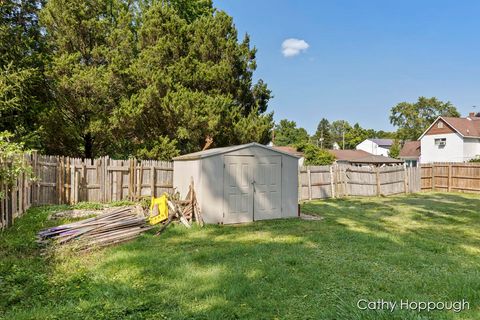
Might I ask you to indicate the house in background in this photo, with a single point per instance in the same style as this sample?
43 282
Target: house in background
378 147
410 153
450 139
362 158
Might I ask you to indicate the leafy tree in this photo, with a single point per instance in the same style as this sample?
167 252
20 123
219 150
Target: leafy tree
339 128
12 161
394 151
414 118
323 135
385 134
314 156
287 133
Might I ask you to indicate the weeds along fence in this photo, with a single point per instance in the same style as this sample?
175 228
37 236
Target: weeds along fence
64 180
451 177
320 182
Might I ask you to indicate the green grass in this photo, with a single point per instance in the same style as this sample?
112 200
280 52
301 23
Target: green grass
421 247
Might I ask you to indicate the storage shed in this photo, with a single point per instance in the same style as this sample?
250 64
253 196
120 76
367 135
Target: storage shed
240 183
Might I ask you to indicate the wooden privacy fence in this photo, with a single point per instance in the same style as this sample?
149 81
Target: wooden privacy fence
451 177
319 182
15 199
64 180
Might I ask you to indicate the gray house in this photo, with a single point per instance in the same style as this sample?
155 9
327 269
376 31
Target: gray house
240 183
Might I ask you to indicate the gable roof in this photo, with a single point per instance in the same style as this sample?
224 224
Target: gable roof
347 155
466 127
411 149
382 142
217 151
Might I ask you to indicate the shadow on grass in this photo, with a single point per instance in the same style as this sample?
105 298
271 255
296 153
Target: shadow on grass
389 248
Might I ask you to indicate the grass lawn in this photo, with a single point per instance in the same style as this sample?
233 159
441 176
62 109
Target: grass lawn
420 247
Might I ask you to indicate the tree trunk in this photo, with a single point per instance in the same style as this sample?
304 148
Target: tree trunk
88 144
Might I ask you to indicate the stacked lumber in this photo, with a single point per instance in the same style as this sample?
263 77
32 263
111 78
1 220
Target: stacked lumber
118 225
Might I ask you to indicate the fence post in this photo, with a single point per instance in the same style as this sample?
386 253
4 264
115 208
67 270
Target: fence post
36 185
131 180
405 176
332 182
152 179
345 181
140 180
309 176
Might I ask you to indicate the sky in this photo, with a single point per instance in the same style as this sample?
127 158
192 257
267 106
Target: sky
354 60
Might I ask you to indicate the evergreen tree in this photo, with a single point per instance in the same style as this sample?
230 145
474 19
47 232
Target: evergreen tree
323 135
150 78
24 93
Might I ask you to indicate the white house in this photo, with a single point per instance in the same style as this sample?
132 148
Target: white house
379 147
450 139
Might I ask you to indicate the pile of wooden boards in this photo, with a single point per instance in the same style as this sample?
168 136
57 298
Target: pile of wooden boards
118 225
186 211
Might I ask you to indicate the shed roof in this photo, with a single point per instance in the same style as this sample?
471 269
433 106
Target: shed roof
217 151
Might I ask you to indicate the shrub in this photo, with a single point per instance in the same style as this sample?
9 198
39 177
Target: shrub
12 160
314 156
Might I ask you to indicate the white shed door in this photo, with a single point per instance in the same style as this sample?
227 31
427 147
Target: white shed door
268 188
238 191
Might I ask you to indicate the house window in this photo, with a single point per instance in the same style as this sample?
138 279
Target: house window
440 124
440 142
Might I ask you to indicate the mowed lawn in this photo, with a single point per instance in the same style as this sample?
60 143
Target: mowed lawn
422 247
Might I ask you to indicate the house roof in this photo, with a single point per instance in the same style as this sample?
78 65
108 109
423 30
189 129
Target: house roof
382 142
289 149
411 149
347 155
376 159
217 151
466 127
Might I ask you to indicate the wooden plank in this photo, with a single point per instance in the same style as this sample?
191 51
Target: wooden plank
309 177
433 178
377 178
449 183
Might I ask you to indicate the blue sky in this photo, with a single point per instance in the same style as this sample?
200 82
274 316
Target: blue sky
363 57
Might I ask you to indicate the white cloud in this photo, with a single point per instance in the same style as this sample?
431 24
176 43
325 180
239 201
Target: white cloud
291 47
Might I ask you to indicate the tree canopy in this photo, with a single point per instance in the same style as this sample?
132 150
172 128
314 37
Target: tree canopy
287 133
130 78
412 119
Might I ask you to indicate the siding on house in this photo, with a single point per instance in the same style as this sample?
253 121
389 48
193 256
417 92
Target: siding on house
436 130
372 147
451 152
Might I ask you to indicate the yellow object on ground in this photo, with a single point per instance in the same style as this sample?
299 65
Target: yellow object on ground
158 209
